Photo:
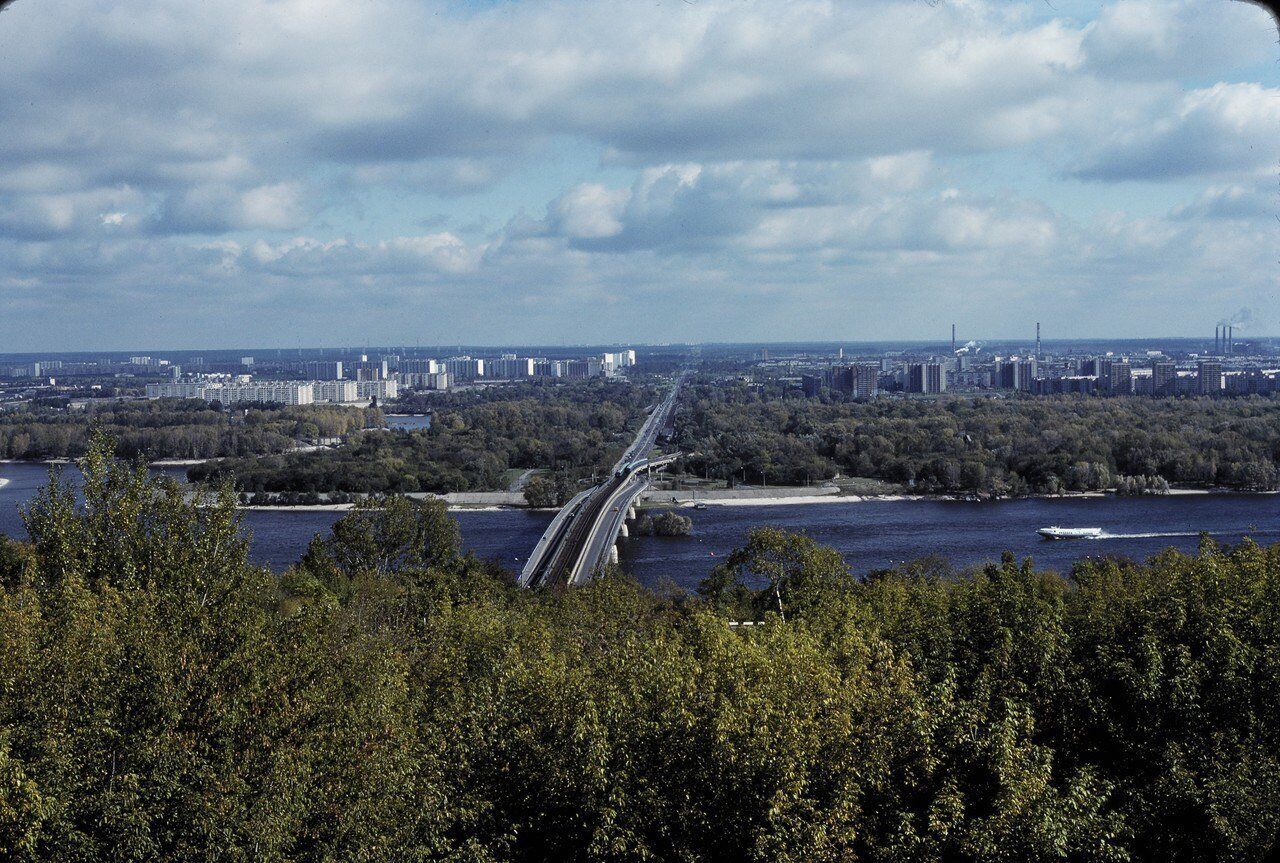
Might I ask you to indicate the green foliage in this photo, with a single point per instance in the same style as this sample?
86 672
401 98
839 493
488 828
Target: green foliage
473 440
173 428
161 699
666 523
995 446
384 537
796 571
539 491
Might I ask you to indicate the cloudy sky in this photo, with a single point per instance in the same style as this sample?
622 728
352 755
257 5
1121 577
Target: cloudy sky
332 172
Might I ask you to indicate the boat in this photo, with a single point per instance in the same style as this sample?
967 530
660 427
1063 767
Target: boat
1056 532
699 505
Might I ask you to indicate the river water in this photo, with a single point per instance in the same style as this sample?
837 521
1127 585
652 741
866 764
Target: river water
410 422
869 534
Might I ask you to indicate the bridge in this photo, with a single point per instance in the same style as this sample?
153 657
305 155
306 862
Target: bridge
581 538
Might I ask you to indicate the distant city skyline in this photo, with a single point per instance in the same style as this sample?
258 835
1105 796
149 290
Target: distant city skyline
406 171
983 344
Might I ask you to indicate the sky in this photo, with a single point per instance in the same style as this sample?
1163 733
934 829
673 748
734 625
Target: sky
287 173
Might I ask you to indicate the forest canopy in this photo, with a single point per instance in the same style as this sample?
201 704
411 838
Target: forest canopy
174 428
391 699
990 446
474 438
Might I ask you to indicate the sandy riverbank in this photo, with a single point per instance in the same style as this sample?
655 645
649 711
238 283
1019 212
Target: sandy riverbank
782 498
785 499
347 507
36 461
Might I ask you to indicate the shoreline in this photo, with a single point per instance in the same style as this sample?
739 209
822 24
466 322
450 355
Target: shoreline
781 500
748 497
347 507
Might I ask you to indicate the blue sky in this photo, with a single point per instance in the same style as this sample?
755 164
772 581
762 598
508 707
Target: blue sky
316 172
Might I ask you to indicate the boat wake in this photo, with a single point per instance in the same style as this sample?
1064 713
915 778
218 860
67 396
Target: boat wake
1107 535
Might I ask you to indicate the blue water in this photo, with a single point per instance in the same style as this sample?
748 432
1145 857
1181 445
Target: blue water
279 538
408 421
870 534
876 534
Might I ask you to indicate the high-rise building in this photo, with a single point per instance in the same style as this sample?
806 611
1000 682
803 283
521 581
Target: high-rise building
611 363
591 367
545 368
926 378
323 370
1164 378
1210 378
1028 372
370 370
236 392
336 390
509 367
419 367
859 381
1015 374
380 390
1115 378
811 385
464 368
425 380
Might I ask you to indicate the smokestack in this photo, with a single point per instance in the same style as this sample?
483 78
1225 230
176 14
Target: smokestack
1217 339
1037 340
953 340
1231 339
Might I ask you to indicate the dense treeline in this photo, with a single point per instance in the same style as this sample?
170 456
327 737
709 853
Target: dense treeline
668 523
473 439
997 446
580 392
388 699
174 428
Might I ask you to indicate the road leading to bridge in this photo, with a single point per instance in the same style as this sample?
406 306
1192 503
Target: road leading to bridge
577 541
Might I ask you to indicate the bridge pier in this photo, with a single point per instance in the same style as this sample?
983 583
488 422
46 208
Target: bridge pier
613 554
623 532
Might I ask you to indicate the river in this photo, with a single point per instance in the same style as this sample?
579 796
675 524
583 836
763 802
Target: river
869 534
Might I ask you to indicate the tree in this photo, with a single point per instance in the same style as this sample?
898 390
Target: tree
541 492
798 571
387 537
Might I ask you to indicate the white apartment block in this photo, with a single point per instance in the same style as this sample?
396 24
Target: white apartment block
284 392
425 380
380 390
611 363
464 368
336 391
509 367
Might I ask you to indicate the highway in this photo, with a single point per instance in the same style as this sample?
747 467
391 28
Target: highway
577 542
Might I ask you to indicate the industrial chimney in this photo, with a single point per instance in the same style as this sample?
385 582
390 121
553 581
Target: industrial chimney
1037 340
1217 339
953 340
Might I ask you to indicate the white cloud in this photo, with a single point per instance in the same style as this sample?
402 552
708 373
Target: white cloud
788 154
1226 127
1246 201
1162 38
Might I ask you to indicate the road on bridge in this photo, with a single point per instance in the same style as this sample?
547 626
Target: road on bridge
577 541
